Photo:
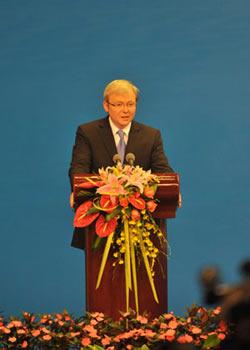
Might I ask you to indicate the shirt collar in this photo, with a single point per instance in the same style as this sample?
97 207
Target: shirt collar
114 128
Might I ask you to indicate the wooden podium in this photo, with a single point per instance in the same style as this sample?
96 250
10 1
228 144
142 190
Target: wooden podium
109 298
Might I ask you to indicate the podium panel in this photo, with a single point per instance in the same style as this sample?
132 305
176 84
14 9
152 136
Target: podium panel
110 297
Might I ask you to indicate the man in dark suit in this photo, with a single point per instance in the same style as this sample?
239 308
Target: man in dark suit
98 141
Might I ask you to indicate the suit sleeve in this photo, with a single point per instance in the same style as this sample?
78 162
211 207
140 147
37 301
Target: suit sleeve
159 160
81 155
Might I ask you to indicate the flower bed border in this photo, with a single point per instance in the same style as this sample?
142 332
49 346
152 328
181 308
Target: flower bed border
203 328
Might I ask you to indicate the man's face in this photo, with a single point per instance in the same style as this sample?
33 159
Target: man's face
121 108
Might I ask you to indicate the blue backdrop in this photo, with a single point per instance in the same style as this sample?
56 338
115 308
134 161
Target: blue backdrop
191 61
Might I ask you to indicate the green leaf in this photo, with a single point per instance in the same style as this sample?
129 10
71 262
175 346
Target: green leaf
98 242
211 342
92 210
143 347
114 213
84 194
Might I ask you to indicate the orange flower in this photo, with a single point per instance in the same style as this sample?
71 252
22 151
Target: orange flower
24 344
149 192
173 324
74 334
93 322
12 339
168 316
151 205
185 339
217 310
163 326
123 201
106 340
135 215
16 323
142 320
85 341
170 333
6 330
195 330
221 336
35 333
47 337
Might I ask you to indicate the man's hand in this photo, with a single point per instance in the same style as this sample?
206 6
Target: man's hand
180 201
71 200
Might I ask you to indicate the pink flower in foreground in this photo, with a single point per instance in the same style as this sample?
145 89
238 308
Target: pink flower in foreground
113 187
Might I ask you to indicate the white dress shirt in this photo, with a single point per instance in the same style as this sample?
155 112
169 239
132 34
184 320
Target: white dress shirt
114 129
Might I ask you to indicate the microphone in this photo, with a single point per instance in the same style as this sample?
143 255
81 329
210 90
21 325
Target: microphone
117 159
130 158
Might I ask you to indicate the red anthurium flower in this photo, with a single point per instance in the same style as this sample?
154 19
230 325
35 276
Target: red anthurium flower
138 202
87 184
104 228
151 205
82 218
100 183
108 204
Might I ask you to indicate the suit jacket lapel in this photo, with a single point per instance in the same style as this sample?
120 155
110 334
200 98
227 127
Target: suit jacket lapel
133 137
107 137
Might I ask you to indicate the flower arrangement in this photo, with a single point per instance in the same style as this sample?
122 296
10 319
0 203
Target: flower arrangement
205 329
120 199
